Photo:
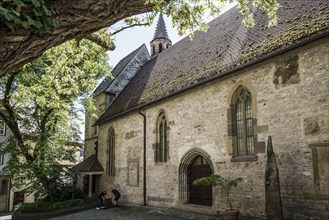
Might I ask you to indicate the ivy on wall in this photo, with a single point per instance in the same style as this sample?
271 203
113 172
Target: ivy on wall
18 14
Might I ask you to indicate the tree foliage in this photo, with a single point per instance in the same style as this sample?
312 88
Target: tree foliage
39 105
29 27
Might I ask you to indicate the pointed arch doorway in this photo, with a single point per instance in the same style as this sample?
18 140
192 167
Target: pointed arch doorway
200 195
195 164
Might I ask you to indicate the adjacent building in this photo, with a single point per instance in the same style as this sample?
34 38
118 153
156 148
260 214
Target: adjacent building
10 196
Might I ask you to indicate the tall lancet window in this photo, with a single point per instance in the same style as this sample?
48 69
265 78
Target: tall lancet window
244 122
111 152
161 151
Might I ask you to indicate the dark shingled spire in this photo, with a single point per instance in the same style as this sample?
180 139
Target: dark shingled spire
161 30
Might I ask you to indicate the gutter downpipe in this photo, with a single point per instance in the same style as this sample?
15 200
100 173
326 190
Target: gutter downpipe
144 156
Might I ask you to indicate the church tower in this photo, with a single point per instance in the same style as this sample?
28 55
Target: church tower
160 40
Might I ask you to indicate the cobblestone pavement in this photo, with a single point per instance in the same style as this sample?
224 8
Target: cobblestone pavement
136 213
133 212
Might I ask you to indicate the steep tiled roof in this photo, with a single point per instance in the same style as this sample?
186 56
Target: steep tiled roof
116 71
226 46
161 30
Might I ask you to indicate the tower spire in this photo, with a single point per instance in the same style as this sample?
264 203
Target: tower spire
161 30
160 39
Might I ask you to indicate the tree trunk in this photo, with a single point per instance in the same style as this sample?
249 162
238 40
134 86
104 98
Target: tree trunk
77 19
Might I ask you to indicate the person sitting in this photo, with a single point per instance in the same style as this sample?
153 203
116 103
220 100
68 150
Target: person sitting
115 196
101 200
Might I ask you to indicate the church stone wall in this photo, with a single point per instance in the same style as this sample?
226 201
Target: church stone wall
291 105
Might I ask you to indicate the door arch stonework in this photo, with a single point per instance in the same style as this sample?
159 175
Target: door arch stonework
184 172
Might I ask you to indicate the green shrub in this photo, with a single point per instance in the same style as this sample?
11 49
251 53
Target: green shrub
68 203
65 193
47 206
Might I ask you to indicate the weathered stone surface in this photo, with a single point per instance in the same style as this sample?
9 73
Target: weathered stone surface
272 185
318 124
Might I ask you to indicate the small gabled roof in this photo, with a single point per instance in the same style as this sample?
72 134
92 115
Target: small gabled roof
161 30
91 164
116 71
226 47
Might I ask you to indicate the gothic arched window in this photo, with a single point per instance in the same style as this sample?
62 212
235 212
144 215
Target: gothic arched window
243 120
111 152
161 151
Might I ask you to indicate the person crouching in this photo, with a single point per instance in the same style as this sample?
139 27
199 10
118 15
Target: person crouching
115 196
101 200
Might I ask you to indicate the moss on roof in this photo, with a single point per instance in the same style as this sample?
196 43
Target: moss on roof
226 45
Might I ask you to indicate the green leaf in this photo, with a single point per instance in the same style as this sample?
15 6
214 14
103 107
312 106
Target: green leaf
10 25
15 12
36 3
55 23
6 13
36 24
47 11
25 24
37 13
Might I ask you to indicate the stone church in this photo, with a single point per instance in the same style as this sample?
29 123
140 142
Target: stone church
208 106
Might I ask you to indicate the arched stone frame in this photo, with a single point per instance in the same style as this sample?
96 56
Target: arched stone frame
110 152
251 89
231 140
156 147
183 172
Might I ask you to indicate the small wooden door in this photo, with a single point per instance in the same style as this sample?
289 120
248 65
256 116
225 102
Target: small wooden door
201 195
18 198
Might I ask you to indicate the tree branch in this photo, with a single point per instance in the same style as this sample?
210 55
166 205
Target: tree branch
8 115
130 26
45 119
107 45
21 46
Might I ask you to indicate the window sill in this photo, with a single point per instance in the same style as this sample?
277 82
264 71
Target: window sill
111 178
161 163
247 158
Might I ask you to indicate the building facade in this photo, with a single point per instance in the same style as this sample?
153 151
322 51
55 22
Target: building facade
208 106
5 132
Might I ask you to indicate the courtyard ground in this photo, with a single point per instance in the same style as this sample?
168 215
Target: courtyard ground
139 213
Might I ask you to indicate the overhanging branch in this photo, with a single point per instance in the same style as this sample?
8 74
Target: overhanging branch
130 26
106 44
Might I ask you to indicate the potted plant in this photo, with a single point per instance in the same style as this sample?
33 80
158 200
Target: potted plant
226 185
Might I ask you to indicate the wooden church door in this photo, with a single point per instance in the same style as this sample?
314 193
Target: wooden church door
201 195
